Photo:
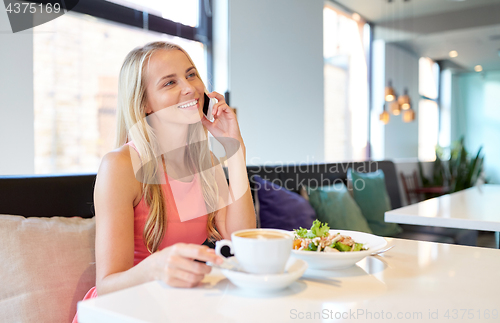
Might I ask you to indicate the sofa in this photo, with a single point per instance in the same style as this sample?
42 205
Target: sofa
48 231
294 176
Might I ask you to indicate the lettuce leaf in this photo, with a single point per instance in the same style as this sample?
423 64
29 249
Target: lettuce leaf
345 248
358 247
342 247
319 230
301 233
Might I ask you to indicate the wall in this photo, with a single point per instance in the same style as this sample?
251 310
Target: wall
401 139
16 105
275 78
476 116
397 139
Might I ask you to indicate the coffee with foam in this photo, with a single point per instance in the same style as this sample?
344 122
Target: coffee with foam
262 235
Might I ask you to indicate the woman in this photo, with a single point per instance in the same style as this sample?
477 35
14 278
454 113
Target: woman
162 170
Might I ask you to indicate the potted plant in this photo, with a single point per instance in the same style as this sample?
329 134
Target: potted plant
459 171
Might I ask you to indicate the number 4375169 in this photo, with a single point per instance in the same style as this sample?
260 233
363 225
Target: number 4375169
471 314
33 8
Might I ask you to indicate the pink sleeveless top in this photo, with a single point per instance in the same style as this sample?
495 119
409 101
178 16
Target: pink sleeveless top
184 204
186 216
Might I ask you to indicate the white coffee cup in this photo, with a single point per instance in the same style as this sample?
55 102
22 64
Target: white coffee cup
260 251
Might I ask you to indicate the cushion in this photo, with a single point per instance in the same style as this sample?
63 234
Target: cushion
48 264
280 208
335 206
371 195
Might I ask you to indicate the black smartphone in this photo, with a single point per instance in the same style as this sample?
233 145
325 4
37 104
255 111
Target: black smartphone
208 104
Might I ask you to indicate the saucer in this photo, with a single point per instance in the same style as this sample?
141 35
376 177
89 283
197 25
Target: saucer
265 283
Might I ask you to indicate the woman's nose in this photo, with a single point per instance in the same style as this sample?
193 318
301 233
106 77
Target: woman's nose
187 88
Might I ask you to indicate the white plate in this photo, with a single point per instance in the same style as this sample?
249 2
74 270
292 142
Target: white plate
264 283
341 260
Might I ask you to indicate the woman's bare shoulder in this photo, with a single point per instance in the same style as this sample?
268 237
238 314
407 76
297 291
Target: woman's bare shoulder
119 158
117 170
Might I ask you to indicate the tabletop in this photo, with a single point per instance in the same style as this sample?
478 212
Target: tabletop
415 281
476 208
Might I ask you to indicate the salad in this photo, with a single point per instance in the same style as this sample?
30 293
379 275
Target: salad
320 239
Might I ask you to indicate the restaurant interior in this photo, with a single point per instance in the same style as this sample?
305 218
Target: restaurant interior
402 96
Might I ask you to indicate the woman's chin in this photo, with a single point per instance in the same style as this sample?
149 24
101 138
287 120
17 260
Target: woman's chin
192 116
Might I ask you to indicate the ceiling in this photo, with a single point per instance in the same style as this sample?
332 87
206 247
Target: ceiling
433 28
377 11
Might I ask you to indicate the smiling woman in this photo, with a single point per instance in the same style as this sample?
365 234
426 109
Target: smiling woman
161 193
178 92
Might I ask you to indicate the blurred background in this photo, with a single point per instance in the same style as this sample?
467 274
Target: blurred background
312 81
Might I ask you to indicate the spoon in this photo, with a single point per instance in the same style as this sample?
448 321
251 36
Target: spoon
381 251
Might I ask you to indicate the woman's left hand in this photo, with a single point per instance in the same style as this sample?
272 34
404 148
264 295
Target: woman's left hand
225 123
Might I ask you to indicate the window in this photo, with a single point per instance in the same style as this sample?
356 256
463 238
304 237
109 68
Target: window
77 59
346 47
184 12
445 108
428 127
428 112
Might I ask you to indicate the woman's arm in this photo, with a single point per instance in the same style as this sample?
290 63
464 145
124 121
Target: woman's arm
116 193
239 213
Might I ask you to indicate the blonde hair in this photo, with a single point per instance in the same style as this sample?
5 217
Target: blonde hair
132 125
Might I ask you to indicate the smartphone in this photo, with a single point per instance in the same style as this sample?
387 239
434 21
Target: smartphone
208 104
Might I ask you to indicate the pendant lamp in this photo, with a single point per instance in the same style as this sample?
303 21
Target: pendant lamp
384 116
395 108
390 95
404 100
408 115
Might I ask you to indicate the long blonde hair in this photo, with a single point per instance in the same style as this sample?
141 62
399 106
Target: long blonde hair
132 125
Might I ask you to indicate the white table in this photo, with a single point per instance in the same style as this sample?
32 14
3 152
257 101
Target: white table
415 281
476 208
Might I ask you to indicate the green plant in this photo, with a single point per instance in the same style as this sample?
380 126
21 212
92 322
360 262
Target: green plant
464 169
459 171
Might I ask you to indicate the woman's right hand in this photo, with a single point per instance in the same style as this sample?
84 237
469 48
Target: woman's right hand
176 266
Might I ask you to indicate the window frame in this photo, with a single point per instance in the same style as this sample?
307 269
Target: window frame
369 64
142 19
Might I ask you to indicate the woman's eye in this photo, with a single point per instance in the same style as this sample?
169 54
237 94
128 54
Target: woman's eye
169 83
192 75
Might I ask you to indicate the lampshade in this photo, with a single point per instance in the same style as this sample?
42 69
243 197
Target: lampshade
384 116
404 100
390 95
395 108
408 115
